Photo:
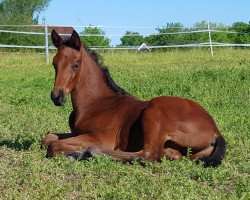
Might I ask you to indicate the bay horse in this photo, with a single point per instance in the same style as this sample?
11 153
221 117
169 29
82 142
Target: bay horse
108 120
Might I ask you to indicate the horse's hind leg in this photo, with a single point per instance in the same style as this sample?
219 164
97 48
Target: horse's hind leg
153 140
203 153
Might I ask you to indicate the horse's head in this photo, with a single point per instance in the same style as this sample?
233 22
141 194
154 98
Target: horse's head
67 64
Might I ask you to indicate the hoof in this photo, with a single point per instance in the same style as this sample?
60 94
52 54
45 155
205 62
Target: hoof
83 155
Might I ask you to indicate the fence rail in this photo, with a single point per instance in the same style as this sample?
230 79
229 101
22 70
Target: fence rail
195 30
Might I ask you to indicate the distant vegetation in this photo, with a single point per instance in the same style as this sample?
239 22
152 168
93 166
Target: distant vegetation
131 38
18 12
243 36
13 12
95 40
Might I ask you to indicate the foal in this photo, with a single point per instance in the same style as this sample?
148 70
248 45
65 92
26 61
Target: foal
107 120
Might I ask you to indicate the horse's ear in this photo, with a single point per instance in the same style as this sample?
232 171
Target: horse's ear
75 39
56 39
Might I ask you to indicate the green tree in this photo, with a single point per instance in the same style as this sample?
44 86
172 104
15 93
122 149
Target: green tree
132 39
21 11
215 36
97 39
166 35
15 12
198 37
243 37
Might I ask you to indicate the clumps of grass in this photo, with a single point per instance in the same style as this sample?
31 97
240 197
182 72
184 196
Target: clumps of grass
220 84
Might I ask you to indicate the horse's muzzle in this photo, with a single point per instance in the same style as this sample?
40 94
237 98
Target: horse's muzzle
59 98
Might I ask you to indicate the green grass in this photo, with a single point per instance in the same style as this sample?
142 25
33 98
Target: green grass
221 84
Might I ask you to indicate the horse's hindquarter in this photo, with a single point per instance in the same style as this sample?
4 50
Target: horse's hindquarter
110 120
179 120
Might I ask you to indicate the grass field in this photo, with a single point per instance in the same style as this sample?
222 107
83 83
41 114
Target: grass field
221 84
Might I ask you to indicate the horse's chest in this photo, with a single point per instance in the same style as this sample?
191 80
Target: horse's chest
100 121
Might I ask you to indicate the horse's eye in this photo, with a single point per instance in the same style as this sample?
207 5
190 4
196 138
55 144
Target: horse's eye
74 66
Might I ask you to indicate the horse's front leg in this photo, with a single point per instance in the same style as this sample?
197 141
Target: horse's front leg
71 144
50 137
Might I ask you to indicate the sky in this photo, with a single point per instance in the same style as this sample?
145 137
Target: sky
143 13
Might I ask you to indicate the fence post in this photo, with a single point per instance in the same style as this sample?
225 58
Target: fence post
210 39
46 43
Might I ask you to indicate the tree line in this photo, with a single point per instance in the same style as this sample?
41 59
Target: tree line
165 35
19 12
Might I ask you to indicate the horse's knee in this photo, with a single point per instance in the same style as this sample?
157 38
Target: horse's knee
50 150
173 154
53 149
48 139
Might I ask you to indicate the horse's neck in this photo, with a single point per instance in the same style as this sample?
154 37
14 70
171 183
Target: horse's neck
90 87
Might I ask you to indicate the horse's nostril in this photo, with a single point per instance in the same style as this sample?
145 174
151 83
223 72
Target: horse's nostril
60 94
52 95
58 98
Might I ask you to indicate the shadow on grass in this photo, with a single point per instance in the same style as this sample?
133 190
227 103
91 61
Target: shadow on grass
18 144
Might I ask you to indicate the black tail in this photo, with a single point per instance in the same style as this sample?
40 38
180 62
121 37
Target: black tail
217 155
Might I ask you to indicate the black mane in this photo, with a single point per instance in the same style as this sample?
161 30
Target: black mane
97 58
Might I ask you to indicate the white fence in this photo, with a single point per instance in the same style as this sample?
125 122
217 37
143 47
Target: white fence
46 34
